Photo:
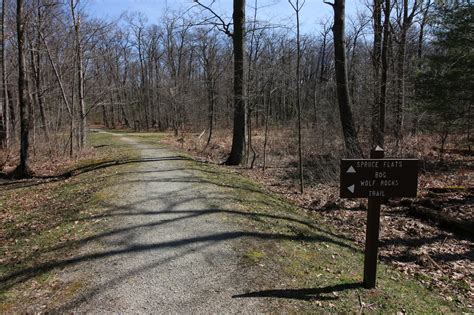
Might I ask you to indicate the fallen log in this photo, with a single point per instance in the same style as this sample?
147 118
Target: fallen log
459 227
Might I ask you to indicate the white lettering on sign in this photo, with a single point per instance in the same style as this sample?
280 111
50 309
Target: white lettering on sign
379 175
368 163
392 164
388 183
376 193
367 183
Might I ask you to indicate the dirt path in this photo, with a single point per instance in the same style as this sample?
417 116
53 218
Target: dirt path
169 250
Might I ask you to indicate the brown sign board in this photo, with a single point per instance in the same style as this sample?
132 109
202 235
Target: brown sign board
378 178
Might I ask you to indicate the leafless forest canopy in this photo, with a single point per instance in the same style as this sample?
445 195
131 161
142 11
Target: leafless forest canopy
349 85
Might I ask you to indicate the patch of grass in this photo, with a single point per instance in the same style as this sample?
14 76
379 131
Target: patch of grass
309 264
45 222
73 288
255 256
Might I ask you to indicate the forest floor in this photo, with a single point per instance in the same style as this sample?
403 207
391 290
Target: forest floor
430 238
137 226
48 218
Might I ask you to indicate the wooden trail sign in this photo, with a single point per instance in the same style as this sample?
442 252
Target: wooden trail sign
377 179
382 178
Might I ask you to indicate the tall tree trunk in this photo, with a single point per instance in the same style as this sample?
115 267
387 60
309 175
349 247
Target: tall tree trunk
350 134
323 58
421 34
210 91
72 130
400 104
383 81
376 62
37 76
80 74
298 96
352 72
143 85
5 141
105 117
112 112
297 8
266 104
158 96
401 60
238 137
23 169
82 105
251 91
419 53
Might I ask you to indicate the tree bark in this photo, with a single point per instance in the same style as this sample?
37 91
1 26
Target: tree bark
343 97
252 60
37 75
210 114
266 103
298 99
419 53
297 8
105 117
383 81
238 137
143 85
80 75
5 139
22 169
401 60
376 62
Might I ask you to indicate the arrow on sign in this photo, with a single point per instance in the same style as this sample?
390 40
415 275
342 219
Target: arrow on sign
351 188
351 170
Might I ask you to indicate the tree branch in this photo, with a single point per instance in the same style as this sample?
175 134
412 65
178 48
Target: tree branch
329 3
225 27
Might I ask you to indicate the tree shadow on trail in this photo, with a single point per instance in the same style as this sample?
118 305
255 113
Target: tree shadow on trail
70 306
11 183
30 272
125 232
306 294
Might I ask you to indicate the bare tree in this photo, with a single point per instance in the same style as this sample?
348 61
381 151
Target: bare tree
425 7
209 59
251 72
35 53
238 136
404 20
343 97
377 134
382 102
174 75
297 6
5 138
22 169
64 97
76 18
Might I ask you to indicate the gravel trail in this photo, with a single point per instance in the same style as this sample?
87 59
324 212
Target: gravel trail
170 249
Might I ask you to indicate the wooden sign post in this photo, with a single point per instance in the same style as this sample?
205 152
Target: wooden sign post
377 179
372 234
